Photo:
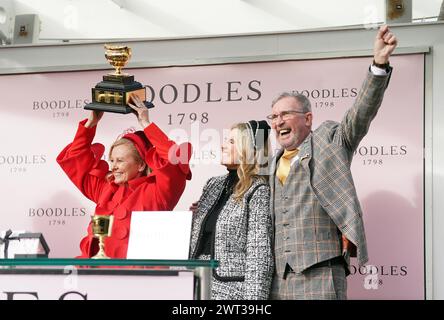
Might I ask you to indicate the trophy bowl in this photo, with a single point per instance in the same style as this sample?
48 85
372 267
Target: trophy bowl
118 57
101 228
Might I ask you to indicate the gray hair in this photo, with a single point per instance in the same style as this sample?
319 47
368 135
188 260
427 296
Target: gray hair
303 100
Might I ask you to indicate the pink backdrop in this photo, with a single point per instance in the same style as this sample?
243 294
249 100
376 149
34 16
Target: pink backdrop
39 114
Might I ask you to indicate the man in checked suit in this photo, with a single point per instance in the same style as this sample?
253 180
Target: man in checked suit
315 210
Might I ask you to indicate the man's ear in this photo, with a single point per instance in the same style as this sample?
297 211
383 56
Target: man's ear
308 119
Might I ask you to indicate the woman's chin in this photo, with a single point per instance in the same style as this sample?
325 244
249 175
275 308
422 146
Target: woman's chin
230 166
226 162
118 181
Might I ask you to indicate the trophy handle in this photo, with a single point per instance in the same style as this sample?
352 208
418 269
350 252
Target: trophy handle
148 104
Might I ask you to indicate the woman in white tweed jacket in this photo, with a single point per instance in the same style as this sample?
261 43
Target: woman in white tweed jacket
232 222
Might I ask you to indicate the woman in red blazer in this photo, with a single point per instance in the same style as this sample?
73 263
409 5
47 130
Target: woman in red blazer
147 172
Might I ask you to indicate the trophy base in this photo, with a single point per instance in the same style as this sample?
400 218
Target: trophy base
97 256
114 93
114 108
101 254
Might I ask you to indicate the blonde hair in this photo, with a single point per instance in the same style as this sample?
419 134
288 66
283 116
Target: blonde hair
134 153
250 160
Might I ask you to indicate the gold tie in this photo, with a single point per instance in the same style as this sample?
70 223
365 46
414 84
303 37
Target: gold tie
284 164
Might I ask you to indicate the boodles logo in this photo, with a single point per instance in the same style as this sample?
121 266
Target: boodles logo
58 108
56 212
58 105
21 163
374 275
210 92
375 155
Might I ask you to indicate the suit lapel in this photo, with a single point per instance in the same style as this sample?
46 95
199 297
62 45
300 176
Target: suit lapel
305 153
304 157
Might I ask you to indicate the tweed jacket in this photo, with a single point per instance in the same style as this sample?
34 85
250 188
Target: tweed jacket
326 156
242 240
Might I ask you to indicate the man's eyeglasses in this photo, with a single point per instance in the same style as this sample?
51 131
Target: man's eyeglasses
285 115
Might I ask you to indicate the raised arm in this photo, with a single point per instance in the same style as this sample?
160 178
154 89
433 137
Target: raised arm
81 160
356 121
169 161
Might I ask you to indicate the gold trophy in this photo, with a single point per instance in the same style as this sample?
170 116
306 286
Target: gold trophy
101 228
113 93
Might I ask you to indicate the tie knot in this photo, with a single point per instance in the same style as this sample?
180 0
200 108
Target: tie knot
288 154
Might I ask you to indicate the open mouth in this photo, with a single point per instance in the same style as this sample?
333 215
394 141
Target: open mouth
284 132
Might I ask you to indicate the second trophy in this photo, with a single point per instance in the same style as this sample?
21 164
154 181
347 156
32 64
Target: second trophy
101 228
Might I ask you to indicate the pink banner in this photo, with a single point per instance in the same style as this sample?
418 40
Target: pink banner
39 115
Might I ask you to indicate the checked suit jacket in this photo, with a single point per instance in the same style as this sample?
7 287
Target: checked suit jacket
325 156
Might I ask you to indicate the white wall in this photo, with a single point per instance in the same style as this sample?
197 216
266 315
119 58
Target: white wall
105 19
353 41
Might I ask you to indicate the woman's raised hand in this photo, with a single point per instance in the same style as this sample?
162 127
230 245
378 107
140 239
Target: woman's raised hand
94 118
140 110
